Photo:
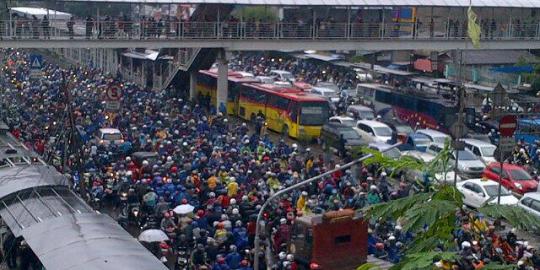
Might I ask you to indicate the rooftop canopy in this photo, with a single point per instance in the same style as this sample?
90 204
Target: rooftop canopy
40 13
365 3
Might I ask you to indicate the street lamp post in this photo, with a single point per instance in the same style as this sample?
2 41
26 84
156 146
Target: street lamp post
295 186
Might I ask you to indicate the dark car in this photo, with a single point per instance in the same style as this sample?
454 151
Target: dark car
331 134
401 130
139 157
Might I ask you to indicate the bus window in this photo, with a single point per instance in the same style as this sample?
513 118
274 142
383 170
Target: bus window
278 102
314 113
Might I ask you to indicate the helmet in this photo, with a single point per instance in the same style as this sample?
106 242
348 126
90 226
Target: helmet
465 244
283 221
304 193
232 201
383 173
290 257
235 211
282 255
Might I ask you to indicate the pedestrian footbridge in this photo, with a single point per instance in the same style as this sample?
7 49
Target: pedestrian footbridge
263 36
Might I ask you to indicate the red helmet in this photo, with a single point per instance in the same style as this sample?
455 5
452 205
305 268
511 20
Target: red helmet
244 263
379 246
174 169
200 213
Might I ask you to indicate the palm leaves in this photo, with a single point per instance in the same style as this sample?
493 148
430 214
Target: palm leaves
432 217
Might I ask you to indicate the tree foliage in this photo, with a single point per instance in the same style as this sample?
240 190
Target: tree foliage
424 260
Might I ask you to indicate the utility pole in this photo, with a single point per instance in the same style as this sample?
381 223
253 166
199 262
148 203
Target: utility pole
294 187
458 128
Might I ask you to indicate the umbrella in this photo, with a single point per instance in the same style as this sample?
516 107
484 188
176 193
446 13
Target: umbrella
183 209
153 235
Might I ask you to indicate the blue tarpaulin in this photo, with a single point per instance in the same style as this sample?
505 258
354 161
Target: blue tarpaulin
513 69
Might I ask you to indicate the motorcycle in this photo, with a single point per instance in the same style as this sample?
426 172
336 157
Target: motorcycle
182 259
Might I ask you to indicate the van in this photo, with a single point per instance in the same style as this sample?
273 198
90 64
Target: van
484 150
369 129
434 135
107 135
331 138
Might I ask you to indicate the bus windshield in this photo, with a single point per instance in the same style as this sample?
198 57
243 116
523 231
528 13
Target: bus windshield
313 113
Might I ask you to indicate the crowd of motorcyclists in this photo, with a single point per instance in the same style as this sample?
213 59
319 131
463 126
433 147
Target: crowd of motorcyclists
175 153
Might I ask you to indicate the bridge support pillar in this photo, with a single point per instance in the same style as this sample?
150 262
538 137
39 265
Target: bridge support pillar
192 85
222 83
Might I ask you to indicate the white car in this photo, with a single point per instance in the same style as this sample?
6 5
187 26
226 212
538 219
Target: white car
531 203
107 135
441 176
370 129
282 75
343 120
468 165
434 135
481 149
479 192
328 93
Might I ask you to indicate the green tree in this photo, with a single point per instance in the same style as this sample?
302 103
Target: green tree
431 216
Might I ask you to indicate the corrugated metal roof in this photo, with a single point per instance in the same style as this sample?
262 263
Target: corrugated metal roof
88 242
18 178
496 57
375 3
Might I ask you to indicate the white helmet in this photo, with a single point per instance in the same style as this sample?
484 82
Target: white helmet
283 221
465 244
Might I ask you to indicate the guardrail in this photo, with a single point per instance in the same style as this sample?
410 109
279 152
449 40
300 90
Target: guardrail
146 30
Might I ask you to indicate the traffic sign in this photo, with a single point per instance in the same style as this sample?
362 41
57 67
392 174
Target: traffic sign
506 146
36 63
114 93
458 130
112 106
507 125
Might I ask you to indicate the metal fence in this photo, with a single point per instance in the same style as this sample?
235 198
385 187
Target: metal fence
146 30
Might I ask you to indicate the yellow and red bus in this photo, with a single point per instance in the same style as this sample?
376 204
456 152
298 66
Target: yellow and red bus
289 111
207 85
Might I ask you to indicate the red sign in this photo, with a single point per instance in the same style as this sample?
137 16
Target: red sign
114 93
508 125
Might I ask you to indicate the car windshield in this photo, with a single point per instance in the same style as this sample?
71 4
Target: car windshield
350 135
314 113
488 151
493 190
421 140
520 175
112 136
348 122
466 155
440 139
366 115
382 131
404 129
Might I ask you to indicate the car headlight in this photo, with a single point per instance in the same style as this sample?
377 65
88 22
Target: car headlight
518 185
